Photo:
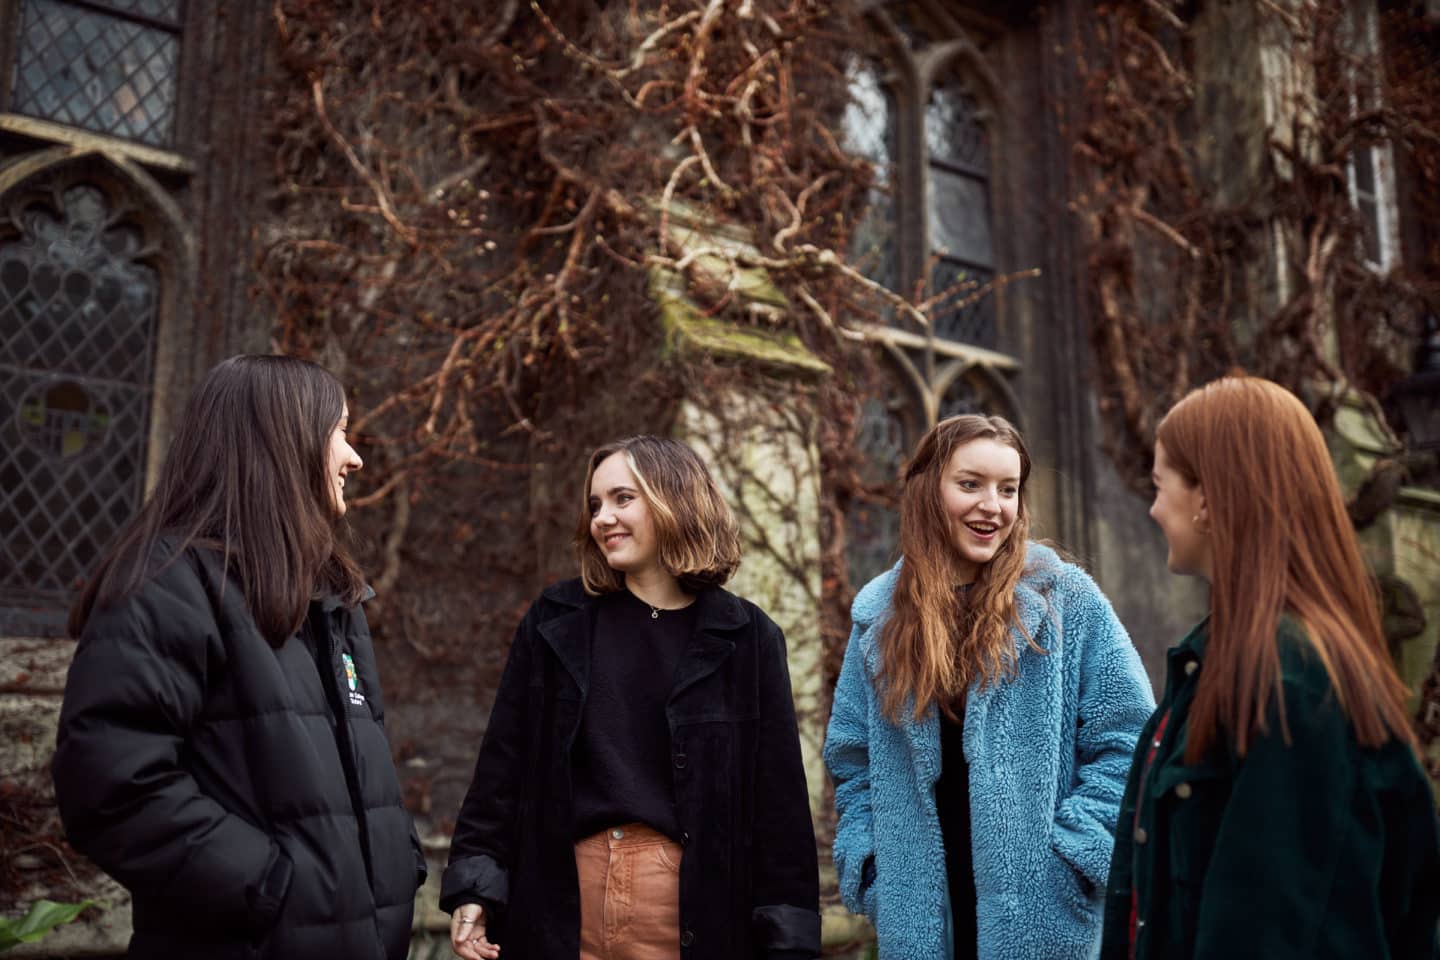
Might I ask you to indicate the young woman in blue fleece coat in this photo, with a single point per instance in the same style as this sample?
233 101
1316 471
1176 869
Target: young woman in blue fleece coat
983 722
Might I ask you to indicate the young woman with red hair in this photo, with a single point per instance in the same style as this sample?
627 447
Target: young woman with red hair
1275 807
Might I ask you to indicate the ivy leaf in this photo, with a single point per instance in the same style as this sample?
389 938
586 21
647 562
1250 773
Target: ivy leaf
44 916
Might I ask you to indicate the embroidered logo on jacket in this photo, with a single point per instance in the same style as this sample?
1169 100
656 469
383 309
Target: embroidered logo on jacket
356 697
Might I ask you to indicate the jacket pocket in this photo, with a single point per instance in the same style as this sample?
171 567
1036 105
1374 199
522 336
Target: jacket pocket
865 893
1070 887
267 898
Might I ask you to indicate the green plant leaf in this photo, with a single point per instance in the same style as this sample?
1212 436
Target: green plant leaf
44 916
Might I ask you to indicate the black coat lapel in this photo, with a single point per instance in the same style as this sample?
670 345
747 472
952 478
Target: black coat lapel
569 637
721 618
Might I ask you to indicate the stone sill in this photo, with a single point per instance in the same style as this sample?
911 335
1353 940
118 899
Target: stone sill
100 143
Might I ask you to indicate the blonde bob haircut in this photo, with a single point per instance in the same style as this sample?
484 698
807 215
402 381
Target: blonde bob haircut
695 529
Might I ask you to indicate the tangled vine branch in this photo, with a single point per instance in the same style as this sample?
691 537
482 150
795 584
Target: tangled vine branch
1175 299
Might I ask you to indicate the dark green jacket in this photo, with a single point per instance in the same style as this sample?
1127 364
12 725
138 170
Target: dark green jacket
1316 849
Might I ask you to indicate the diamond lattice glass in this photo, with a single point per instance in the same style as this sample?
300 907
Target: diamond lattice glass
107 73
77 325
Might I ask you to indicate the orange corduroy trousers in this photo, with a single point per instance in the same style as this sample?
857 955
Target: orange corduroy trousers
629 894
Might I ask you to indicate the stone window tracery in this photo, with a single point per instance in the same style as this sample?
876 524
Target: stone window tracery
79 307
918 113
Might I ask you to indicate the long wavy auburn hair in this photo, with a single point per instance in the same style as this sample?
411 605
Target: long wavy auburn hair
245 476
937 640
1281 542
697 534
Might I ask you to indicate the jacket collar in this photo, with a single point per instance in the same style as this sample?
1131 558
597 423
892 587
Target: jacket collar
330 601
568 630
1190 650
1197 638
1043 568
719 616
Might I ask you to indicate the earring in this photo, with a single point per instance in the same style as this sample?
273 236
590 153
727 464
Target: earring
1200 526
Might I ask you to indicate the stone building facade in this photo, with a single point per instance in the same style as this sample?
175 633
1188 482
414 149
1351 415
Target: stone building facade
129 179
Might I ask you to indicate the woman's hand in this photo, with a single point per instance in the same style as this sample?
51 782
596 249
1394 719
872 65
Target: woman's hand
467 934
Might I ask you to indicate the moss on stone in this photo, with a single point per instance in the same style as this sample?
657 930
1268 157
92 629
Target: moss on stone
687 329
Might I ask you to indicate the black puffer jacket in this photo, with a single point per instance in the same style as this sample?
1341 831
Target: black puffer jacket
749 885
204 769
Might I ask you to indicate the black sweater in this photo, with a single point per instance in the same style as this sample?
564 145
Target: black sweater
622 750
952 802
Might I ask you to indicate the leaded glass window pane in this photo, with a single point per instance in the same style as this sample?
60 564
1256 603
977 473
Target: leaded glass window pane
961 316
953 131
872 524
960 398
958 213
77 326
960 217
869 119
1365 194
107 73
868 125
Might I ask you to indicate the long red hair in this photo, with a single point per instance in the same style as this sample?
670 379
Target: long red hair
936 642
1281 542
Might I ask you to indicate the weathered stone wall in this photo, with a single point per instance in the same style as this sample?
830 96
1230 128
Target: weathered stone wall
770 473
32 679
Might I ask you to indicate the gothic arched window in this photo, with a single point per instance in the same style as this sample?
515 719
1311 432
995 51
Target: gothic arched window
79 305
922 111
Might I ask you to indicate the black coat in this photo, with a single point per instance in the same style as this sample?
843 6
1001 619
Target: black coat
748 877
204 769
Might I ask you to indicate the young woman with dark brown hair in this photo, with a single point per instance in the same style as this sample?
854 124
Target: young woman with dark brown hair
1275 806
221 749
639 793
986 708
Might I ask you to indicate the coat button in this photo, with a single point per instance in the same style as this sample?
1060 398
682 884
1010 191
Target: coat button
1191 666
684 838
687 938
1141 836
679 761
1183 791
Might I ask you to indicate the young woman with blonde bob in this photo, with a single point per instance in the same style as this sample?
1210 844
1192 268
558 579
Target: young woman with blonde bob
984 717
1275 807
639 793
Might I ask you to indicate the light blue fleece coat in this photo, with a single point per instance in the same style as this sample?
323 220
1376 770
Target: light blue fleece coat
1049 752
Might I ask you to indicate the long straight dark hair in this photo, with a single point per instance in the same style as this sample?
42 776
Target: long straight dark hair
246 476
1282 543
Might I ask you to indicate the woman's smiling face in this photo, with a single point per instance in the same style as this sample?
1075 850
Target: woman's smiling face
620 520
980 493
340 460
